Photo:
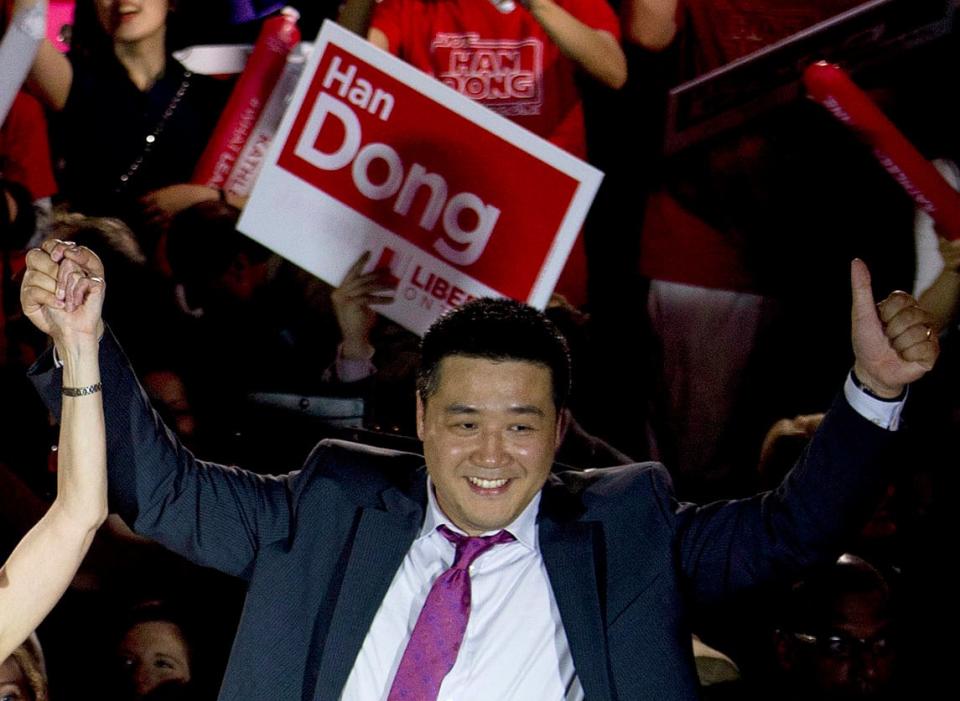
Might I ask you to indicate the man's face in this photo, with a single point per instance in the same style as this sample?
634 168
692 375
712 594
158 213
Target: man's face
154 653
858 670
13 685
854 656
489 432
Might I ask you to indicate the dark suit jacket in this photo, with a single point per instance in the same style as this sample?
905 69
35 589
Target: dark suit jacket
319 547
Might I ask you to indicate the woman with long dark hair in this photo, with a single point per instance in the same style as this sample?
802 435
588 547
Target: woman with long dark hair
131 120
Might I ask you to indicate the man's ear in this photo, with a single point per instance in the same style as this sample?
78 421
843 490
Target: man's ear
421 409
563 423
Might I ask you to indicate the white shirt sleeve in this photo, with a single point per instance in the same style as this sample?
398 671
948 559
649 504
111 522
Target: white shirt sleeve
17 51
349 370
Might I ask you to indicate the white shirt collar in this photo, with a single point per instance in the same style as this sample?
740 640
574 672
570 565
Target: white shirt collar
523 528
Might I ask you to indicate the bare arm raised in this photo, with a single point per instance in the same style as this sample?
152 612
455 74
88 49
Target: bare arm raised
651 24
596 51
50 74
43 564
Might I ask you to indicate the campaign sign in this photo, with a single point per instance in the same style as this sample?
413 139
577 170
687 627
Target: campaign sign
457 201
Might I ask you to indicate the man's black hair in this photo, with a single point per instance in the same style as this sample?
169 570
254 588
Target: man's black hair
810 604
495 329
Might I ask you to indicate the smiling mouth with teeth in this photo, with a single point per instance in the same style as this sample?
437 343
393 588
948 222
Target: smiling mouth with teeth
487 484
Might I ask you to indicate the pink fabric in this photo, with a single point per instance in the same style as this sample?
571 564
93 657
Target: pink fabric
59 15
437 636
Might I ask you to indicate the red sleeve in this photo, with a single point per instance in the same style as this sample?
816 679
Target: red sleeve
24 148
596 14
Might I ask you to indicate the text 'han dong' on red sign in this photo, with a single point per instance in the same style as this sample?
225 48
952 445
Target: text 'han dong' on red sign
456 200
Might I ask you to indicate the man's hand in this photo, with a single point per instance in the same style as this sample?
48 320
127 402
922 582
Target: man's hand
351 303
62 290
894 342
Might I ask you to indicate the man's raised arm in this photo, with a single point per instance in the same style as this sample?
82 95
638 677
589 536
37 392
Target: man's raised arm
840 477
213 515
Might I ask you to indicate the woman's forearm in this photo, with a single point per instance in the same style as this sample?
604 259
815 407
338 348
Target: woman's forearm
41 567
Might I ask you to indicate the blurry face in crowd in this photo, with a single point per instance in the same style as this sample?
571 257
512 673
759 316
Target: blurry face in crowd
132 20
152 653
861 665
855 659
167 388
489 432
13 685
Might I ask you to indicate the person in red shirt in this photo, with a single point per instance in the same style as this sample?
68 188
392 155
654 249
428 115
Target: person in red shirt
518 59
25 150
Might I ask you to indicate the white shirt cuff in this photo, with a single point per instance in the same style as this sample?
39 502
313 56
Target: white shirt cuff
352 369
885 414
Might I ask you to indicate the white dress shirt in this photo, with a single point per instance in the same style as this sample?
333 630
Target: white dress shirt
514 646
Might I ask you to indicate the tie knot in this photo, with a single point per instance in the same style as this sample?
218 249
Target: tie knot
469 548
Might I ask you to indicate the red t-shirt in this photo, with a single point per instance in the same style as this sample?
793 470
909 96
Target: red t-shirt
502 59
24 148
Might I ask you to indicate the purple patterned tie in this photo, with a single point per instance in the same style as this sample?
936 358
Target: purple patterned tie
436 638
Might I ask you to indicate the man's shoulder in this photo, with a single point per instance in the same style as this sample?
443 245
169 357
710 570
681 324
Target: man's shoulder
626 502
363 470
613 478
633 486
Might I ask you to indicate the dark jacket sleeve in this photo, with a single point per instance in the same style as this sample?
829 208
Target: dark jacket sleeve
822 503
214 515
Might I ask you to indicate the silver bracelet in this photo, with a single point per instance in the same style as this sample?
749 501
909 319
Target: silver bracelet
81 391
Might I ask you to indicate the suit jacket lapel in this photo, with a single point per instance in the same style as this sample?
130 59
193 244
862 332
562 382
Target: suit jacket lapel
382 540
568 550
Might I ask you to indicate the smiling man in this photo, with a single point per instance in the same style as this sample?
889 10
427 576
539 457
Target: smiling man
491 388
490 432
480 575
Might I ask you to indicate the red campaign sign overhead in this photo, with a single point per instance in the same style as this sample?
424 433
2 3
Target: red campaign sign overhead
420 169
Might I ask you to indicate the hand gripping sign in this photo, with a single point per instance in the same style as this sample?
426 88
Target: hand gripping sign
457 201
829 85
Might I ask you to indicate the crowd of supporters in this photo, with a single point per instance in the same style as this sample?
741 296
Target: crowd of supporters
696 306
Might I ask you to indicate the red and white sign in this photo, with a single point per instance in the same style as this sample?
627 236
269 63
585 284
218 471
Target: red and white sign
456 200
